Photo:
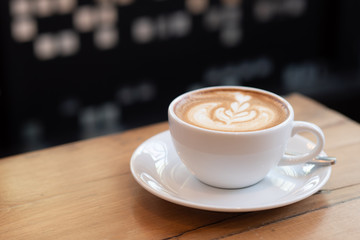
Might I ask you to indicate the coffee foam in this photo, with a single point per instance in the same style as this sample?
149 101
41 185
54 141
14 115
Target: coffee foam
231 110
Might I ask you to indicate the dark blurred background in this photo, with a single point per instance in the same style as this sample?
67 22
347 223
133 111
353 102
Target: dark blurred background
75 69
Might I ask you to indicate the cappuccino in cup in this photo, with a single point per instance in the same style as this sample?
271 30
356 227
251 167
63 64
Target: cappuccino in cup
231 110
231 137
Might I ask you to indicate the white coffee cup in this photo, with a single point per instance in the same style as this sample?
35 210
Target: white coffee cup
237 159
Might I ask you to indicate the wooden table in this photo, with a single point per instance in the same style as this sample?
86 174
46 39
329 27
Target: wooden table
84 190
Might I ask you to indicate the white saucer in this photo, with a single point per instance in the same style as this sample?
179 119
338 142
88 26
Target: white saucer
156 167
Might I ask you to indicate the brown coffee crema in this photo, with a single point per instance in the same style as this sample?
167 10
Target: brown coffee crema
231 110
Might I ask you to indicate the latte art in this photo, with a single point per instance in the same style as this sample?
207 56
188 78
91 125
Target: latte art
231 110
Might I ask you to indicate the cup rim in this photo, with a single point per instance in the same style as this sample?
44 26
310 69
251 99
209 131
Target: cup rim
173 115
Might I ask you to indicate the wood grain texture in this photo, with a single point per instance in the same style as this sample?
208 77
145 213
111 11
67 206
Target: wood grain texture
84 190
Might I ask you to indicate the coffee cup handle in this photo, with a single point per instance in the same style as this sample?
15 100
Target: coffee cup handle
300 126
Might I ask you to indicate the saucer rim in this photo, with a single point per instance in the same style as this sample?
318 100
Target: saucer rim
211 207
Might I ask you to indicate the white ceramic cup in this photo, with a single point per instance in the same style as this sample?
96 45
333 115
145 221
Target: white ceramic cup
238 159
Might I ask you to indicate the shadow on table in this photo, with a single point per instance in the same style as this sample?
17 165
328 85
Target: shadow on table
168 220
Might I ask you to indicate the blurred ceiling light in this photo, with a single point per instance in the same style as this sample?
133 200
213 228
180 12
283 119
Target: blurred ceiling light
44 8
264 11
45 47
85 18
20 7
124 2
106 37
68 42
197 6
23 29
294 7
230 36
212 19
143 30
107 14
65 6
180 24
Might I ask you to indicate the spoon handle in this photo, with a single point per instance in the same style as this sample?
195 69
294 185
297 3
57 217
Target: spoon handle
323 161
